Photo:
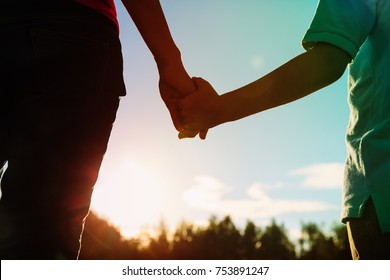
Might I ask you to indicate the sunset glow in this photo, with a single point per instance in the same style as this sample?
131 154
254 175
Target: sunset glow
130 196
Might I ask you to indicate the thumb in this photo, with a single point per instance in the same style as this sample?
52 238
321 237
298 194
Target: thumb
187 134
200 82
204 86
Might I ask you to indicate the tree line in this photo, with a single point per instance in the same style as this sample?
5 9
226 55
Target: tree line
221 239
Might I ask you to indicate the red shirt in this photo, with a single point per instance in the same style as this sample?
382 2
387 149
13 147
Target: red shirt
105 7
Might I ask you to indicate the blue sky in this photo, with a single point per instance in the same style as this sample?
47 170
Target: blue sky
284 163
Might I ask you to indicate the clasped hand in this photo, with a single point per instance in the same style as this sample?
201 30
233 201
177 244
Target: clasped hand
191 102
198 110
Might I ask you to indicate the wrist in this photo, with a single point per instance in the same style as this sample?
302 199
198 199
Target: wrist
169 60
218 113
174 75
229 108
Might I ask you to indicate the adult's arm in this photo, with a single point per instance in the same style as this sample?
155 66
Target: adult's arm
174 81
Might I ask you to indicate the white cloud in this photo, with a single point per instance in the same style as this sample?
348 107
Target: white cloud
323 175
209 194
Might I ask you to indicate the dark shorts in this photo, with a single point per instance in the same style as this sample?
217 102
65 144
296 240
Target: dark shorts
60 84
366 239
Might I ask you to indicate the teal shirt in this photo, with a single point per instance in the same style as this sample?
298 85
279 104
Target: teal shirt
362 29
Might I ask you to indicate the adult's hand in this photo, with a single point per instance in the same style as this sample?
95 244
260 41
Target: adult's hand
174 85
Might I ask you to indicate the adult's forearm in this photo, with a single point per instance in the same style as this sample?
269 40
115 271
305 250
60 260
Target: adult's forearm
149 18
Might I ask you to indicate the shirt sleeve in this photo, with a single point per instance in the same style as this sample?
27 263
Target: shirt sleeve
343 23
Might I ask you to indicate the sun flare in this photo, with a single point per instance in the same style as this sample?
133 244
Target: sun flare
129 195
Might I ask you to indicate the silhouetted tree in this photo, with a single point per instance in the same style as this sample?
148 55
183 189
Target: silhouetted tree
275 244
251 243
220 240
315 245
340 237
159 248
228 239
186 242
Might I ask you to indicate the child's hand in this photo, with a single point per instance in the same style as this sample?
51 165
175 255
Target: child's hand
198 110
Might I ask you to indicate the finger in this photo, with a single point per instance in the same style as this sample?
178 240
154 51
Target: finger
203 133
176 119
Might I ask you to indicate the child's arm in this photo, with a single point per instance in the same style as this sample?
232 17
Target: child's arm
320 66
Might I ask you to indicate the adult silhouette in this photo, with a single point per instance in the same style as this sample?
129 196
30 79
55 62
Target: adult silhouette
61 81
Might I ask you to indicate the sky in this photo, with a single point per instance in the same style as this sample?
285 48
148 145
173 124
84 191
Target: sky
285 163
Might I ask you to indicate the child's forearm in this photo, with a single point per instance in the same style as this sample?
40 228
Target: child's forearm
301 76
